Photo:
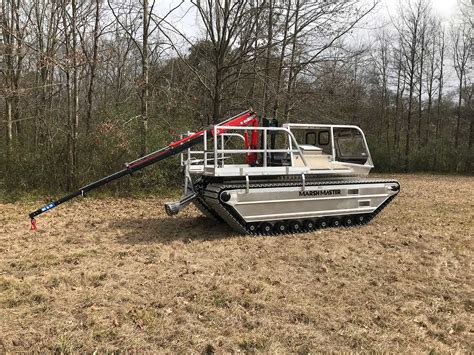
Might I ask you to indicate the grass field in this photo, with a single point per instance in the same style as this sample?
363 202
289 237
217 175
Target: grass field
110 274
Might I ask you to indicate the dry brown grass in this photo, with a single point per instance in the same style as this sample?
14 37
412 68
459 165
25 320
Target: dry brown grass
115 274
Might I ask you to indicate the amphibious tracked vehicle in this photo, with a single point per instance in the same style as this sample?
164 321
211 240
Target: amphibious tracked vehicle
270 179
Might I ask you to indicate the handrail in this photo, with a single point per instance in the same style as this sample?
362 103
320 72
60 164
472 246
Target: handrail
216 151
237 151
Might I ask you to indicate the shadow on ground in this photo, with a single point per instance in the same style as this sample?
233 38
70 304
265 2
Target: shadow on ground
169 229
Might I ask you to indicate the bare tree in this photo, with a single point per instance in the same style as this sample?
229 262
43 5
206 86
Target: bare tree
132 19
13 33
279 74
421 62
462 47
96 33
69 21
268 55
45 28
381 59
441 49
229 26
401 84
431 68
409 29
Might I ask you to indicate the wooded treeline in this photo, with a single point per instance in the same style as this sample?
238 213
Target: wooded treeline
89 85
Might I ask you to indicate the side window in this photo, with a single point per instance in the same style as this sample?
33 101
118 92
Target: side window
323 138
310 138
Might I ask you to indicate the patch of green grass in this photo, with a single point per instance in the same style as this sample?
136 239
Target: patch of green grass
16 292
73 258
103 333
37 261
143 317
64 345
54 281
95 279
254 345
221 300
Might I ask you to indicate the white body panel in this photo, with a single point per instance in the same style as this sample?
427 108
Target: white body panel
280 203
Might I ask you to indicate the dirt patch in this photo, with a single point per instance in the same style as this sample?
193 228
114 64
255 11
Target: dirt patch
110 274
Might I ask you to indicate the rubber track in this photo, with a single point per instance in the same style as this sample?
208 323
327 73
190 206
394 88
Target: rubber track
239 225
206 211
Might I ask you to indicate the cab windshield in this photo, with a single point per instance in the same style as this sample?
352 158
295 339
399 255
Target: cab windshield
350 146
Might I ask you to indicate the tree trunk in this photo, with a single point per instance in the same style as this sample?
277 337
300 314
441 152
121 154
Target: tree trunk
458 118
470 150
8 40
93 65
69 109
438 104
75 87
386 102
276 103
9 131
16 75
407 141
420 90
217 97
291 67
430 79
471 135
267 59
411 86
145 84
251 93
397 105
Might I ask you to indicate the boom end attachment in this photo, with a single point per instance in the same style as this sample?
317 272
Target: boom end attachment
173 208
33 225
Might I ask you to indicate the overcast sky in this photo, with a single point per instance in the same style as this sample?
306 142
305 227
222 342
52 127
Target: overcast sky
185 18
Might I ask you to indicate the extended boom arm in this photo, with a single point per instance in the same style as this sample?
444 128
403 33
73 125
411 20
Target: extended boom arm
243 119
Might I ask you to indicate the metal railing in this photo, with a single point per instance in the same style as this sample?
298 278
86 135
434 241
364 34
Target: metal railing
216 157
265 149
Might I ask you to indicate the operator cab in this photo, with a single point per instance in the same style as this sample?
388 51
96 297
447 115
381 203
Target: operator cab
349 144
333 147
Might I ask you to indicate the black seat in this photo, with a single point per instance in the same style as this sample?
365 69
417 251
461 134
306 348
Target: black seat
279 159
